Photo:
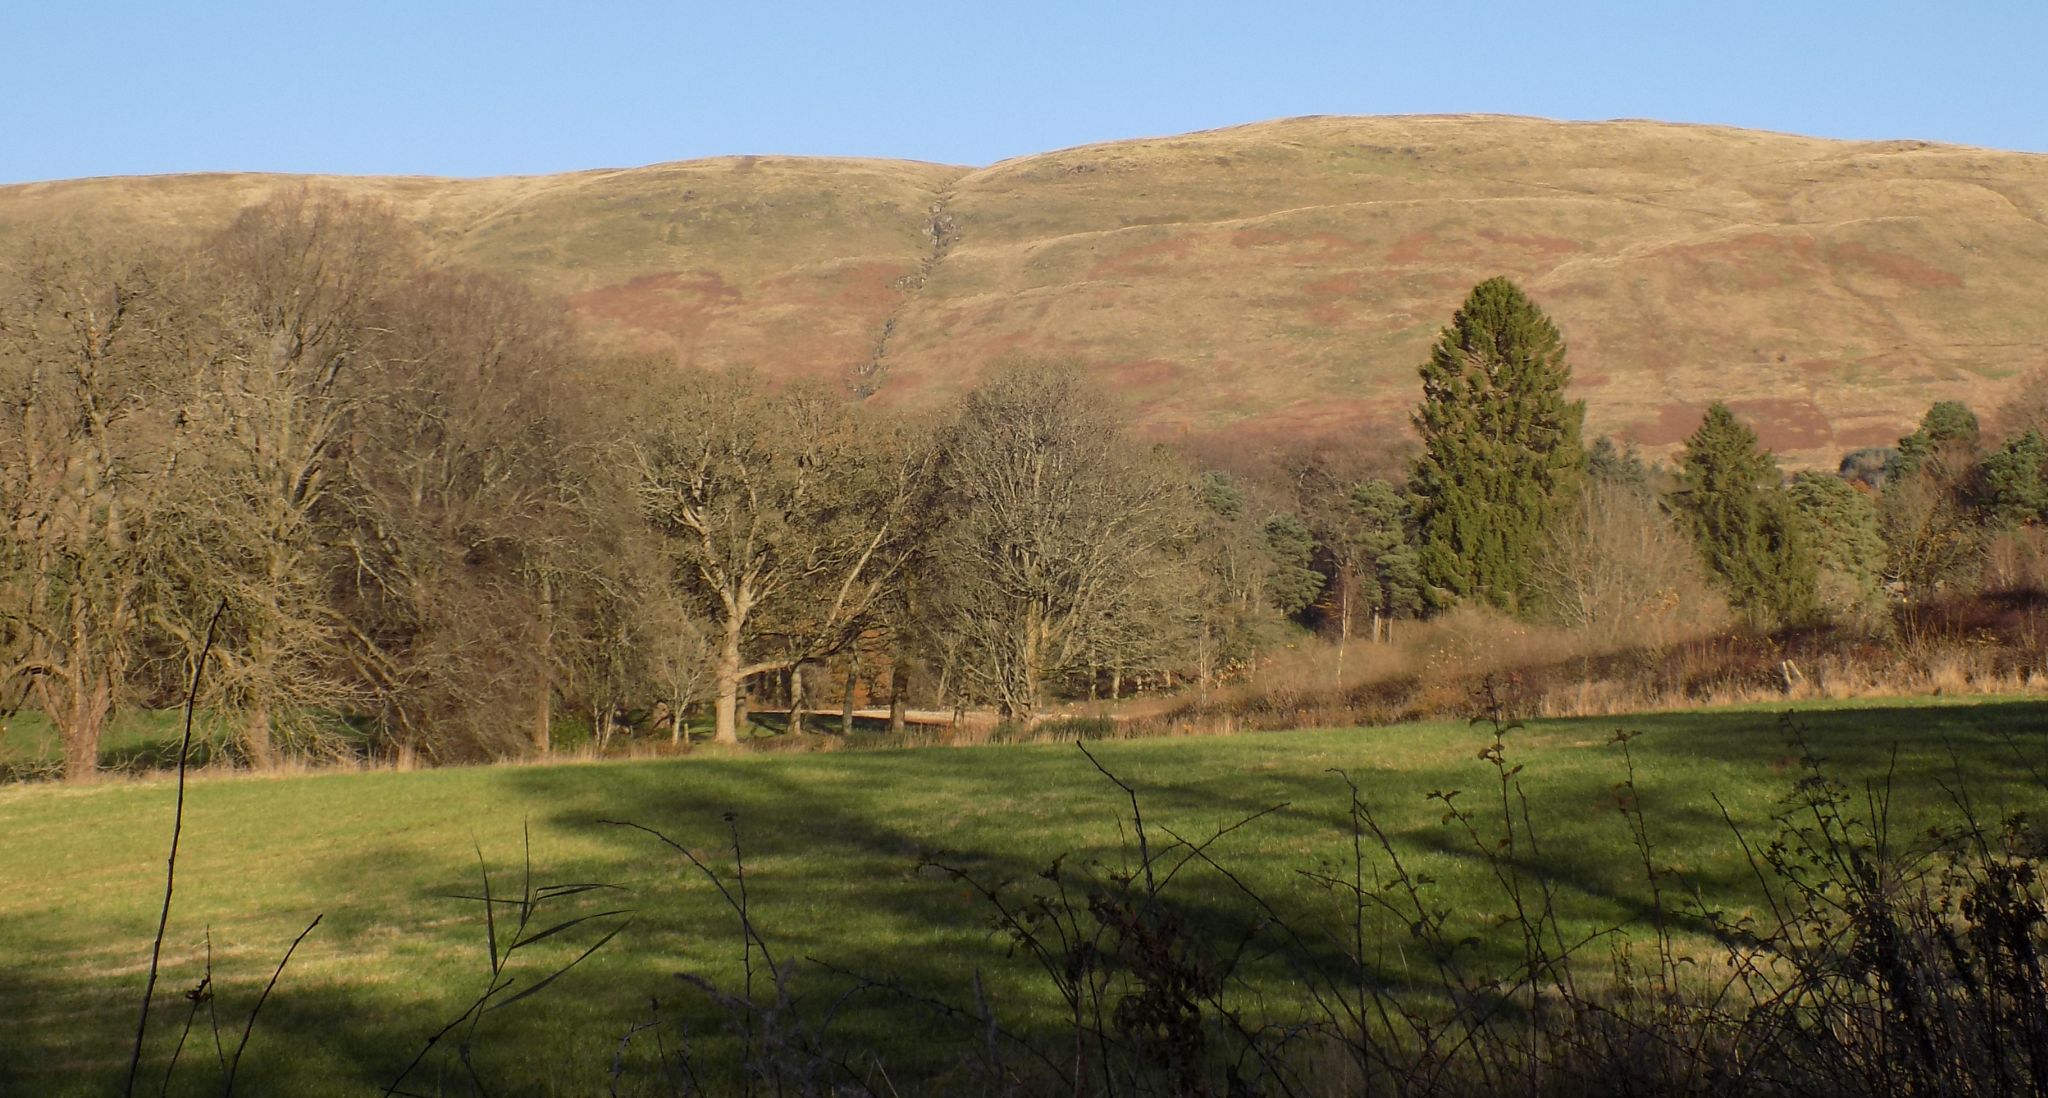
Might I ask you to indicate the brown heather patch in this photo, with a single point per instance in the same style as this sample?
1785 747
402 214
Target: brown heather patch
1784 424
1327 297
673 303
1548 247
866 289
1753 261
1428 246
1322 245
1673 423
1140 373
1903 269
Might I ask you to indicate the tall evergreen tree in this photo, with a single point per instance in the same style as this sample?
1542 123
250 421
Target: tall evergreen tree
1501 447
1390 571
1848 549
2012 481
1292 581
1743 522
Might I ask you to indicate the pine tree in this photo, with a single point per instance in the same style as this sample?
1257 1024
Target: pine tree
1743 522
1848 549
2012 482
1501 448
1948 423
1620 466
1292 582
1390 571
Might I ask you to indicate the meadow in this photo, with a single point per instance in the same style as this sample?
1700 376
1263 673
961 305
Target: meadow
832 846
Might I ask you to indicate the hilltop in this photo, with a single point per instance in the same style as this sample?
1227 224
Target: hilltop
1279 280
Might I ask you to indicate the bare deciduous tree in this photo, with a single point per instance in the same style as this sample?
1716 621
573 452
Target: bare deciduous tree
1620 565
88 453
1055 553
480 516
289 300
787 517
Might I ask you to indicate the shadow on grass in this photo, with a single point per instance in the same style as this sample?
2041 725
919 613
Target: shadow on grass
832 844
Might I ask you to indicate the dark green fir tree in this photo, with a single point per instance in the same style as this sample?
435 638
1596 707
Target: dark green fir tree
1293 583
1501 448
1731 495
2012 482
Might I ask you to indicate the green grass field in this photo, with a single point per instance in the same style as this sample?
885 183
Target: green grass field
832 840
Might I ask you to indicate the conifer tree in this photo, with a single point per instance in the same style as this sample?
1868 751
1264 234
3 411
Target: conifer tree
1948 423
1848 549
1390 572
1292 583
2012 482
1743 522
1501 447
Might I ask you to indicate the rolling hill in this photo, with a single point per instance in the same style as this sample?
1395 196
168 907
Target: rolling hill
1281 280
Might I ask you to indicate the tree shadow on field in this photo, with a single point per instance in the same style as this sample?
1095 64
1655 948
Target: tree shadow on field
835 889
65 1033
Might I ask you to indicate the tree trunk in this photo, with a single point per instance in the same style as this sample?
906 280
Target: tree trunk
543 694
846 705
939 694
256 739
83 725
1020 683
676 730
899 684
1343 628
797 700
725 709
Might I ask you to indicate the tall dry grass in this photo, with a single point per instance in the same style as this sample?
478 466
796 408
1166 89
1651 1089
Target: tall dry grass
1976 644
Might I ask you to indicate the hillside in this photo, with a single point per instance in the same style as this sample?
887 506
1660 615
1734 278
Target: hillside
1282 279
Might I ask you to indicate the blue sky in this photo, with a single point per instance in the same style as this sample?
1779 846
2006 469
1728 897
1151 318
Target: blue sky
471 88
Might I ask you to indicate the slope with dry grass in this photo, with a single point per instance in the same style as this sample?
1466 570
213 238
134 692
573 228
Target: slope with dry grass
1282 279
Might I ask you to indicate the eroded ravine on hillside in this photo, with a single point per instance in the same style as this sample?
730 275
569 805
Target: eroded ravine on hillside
941 230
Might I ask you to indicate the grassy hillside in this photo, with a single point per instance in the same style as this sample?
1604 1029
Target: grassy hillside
1282 278
831 841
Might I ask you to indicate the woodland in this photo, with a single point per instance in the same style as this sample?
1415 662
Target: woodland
405 512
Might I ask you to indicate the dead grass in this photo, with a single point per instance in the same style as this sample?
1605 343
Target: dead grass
1283 277
1992 644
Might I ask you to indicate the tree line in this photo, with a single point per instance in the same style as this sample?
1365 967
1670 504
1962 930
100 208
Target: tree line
431 517
1510 509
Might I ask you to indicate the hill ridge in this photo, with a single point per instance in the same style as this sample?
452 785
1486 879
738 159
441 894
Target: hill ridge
1276 280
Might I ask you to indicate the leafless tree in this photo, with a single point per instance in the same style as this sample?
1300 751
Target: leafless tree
1619 565
1056 547
1933 540
287 303
480 517
88 456
787 517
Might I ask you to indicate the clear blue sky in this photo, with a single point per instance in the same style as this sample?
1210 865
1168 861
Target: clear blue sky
471 88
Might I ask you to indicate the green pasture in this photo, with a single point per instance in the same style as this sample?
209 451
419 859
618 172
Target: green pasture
832 843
